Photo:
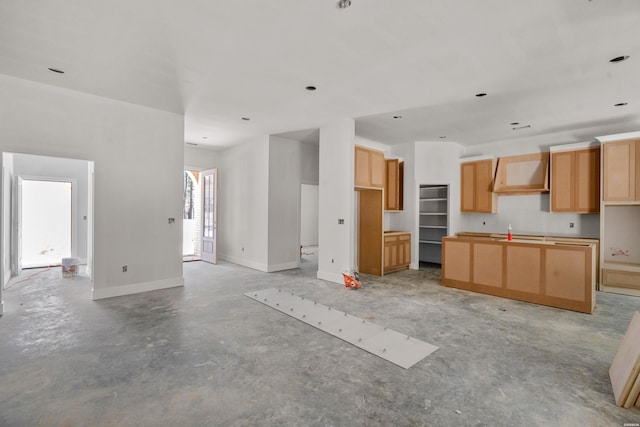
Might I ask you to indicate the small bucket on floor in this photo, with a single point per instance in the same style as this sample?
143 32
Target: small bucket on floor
69 267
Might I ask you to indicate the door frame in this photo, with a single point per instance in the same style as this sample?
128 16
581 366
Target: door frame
203 257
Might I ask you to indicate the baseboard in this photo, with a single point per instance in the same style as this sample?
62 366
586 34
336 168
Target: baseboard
136 288
330 277
243 262
284 266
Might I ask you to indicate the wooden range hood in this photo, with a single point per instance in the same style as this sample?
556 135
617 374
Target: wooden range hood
526 174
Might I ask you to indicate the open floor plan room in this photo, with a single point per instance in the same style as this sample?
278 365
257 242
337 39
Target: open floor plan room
207 355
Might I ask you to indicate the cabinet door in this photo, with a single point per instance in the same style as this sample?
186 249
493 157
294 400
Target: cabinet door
387 254
406 251
391 186
587 181
562 180
467 186
619 159
362 171
484 195
476 186
637 169
377 168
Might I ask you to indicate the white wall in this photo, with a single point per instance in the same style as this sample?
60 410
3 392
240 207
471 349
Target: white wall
56 167
5 230
138 154
199 159
527 214
336 199
309 215
309 163
284 203
243 203
436 163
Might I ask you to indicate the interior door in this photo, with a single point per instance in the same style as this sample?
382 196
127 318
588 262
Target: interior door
16 228
209 185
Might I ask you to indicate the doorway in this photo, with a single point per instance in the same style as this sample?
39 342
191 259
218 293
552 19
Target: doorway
191 216
45 222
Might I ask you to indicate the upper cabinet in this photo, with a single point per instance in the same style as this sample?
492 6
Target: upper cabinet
369 168
394 185
476 180
575 181
524 174
621 171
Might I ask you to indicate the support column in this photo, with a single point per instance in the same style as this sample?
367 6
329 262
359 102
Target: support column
336 226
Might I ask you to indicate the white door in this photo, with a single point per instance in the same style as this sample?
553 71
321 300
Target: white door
16 228
209 185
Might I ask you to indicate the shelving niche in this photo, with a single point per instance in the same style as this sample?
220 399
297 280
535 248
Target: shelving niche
434 221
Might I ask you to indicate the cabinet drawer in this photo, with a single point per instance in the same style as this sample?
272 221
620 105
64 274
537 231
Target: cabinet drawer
623 279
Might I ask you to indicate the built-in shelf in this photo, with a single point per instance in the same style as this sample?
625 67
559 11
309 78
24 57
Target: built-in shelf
434 221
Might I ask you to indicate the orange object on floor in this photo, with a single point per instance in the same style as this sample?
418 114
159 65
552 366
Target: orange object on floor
351 282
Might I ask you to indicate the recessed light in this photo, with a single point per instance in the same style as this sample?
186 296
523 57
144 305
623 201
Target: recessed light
620 104
246 119
397 117
311 88
514 123
619 58
481 94
56 70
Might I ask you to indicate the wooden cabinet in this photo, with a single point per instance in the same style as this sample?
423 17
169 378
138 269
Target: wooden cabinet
575 181
397 251
369 168
621 170
476 184
551 273
370 231
394 185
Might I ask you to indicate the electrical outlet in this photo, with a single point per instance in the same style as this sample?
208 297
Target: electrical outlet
331 260
340 221
124 268
484 222
570 225
172 220
242 249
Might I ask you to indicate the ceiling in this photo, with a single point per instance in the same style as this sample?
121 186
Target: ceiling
543 64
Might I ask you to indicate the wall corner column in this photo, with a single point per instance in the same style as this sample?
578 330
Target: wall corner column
336 228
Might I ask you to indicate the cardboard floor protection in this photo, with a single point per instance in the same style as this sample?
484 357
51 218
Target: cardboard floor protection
626 365
392 346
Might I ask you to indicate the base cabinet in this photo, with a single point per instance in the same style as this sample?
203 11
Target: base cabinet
397 251
548 273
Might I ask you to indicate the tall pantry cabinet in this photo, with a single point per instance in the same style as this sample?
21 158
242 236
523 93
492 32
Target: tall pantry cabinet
620 215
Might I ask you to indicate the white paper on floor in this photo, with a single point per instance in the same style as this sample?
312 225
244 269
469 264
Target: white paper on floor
393 346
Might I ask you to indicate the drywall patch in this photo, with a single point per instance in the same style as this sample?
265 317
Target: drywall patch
390 345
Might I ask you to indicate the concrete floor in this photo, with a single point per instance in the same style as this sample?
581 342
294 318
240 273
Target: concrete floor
205 355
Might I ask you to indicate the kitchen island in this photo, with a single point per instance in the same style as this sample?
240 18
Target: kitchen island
557 272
